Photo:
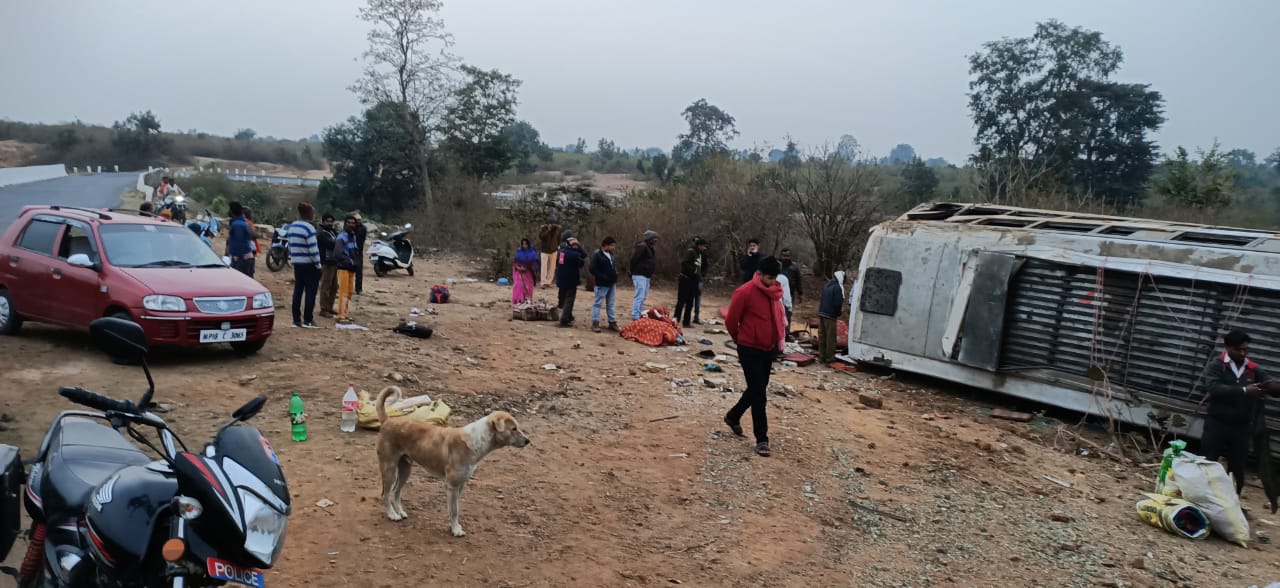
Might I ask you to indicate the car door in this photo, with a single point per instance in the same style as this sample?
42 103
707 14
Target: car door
31 261
75 296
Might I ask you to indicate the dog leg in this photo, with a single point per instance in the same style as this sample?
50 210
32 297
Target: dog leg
389 479
404 469
454 492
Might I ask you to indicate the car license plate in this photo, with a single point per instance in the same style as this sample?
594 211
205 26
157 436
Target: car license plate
223 335
225 570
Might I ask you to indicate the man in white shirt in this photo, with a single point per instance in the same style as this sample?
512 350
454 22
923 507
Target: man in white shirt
786 299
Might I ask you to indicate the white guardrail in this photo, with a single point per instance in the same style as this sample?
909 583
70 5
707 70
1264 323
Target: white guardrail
34 173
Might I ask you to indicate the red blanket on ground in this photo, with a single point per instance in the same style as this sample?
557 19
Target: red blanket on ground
655 329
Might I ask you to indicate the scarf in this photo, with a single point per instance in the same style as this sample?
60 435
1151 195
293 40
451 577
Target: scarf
839 276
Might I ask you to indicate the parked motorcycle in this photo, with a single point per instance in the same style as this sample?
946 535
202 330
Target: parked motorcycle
205 227
177 207
392 252
103 513
278 255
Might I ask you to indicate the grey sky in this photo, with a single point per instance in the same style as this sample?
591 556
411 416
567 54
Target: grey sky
885 72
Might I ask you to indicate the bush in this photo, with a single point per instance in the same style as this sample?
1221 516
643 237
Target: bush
219 205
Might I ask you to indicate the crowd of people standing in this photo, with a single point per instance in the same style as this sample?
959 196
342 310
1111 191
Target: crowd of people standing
758 318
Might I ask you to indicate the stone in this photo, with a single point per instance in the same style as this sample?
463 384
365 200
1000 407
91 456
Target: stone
871 400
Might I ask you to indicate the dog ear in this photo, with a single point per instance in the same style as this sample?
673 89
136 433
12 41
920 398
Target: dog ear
499 423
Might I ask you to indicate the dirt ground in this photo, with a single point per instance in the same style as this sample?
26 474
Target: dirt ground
16 153
633 481
272 169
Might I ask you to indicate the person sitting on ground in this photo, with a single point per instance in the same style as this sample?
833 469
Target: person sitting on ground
606 275
829 311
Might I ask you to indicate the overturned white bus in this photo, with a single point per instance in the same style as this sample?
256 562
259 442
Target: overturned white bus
1111 316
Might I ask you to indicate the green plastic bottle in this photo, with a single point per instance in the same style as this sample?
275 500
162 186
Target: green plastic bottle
1174 450
297 418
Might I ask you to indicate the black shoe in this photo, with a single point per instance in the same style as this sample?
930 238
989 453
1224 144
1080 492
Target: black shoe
566 325
762 449
735 427
297 324
697 321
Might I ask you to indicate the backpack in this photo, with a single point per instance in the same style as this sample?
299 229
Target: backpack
439 294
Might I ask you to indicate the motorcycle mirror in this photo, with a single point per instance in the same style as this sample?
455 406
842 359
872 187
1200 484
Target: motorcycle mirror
251 408
120 338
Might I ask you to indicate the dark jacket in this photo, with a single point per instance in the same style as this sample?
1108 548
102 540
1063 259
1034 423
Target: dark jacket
548 238
750 263
792 269
362 233
603 270
569 262
705 265
327 238
691 265
239 238
832 302
346 254
1228 403
643 261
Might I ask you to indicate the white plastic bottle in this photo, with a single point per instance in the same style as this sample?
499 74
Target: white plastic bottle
350 402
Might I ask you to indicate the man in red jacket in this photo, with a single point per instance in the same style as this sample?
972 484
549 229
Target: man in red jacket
757 323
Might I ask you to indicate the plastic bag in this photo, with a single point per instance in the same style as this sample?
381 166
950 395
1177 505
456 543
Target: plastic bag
1206 484
416 407
1174 515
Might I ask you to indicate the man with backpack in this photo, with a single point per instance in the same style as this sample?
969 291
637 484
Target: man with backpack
606 277
569 262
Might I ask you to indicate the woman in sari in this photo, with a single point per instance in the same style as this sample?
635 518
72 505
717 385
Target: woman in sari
524 273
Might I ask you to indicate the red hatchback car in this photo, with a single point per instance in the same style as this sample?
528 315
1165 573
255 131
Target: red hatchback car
69 266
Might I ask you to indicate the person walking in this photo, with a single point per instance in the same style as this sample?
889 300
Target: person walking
690 275
345 257
606 275
362 233
754 321
304 254
240 241
751 260
327 237
792 271
549 238
569 262
702 280
829 310
644 261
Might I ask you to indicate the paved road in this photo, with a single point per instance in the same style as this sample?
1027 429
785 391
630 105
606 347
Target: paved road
92 191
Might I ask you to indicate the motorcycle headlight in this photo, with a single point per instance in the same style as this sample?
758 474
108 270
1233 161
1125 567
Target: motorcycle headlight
179 198
263 300
164 303
264 528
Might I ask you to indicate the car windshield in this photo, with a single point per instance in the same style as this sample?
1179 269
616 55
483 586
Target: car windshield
147 245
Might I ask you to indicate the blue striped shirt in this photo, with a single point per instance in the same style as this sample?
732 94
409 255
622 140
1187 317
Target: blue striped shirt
303 247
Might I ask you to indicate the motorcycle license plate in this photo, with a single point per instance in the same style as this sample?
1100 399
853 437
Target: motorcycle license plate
223 335
227 571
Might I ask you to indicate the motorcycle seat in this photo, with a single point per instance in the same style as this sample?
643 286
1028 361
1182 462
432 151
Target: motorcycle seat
82 455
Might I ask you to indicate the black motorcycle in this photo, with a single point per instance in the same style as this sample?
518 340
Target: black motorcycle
103 513
278 254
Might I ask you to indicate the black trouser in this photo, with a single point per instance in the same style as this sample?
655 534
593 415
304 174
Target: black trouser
687 291
306 280
244 266
1222 439
755 367
360 270
567 296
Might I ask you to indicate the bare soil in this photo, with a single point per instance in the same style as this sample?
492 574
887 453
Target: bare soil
17 153
256 167
927 491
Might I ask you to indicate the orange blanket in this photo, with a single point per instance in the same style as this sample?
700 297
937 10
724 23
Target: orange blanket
654 329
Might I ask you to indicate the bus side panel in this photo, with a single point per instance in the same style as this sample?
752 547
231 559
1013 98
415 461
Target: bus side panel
915 263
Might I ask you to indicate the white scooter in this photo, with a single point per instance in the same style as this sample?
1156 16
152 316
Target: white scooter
392 252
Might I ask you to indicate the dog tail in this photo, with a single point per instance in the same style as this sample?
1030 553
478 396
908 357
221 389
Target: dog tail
381 402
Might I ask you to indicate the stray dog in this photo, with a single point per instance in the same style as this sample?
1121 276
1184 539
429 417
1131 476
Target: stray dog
448 453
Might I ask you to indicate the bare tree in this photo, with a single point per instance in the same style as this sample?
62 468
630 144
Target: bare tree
837 203
408 62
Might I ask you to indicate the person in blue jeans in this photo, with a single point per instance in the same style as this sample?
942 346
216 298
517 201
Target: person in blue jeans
304 254
643 263
606 274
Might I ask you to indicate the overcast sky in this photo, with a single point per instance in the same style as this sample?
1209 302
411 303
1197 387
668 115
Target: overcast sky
886 72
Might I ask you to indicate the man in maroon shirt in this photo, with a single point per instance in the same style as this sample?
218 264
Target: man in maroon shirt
757 323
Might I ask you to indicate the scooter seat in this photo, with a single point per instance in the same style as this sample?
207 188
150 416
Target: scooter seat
82 455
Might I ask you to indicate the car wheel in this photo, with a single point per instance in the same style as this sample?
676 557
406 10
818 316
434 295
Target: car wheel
248 347
10 322
409 269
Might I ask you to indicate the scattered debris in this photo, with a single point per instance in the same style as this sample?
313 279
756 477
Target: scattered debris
714 382
656 367
1063 483
665 418
712 366
549 366
874 510
681 382
162 407
1012 415
1058 517
245 381
577 345
324 503
871 399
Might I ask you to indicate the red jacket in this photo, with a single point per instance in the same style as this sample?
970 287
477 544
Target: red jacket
756 318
